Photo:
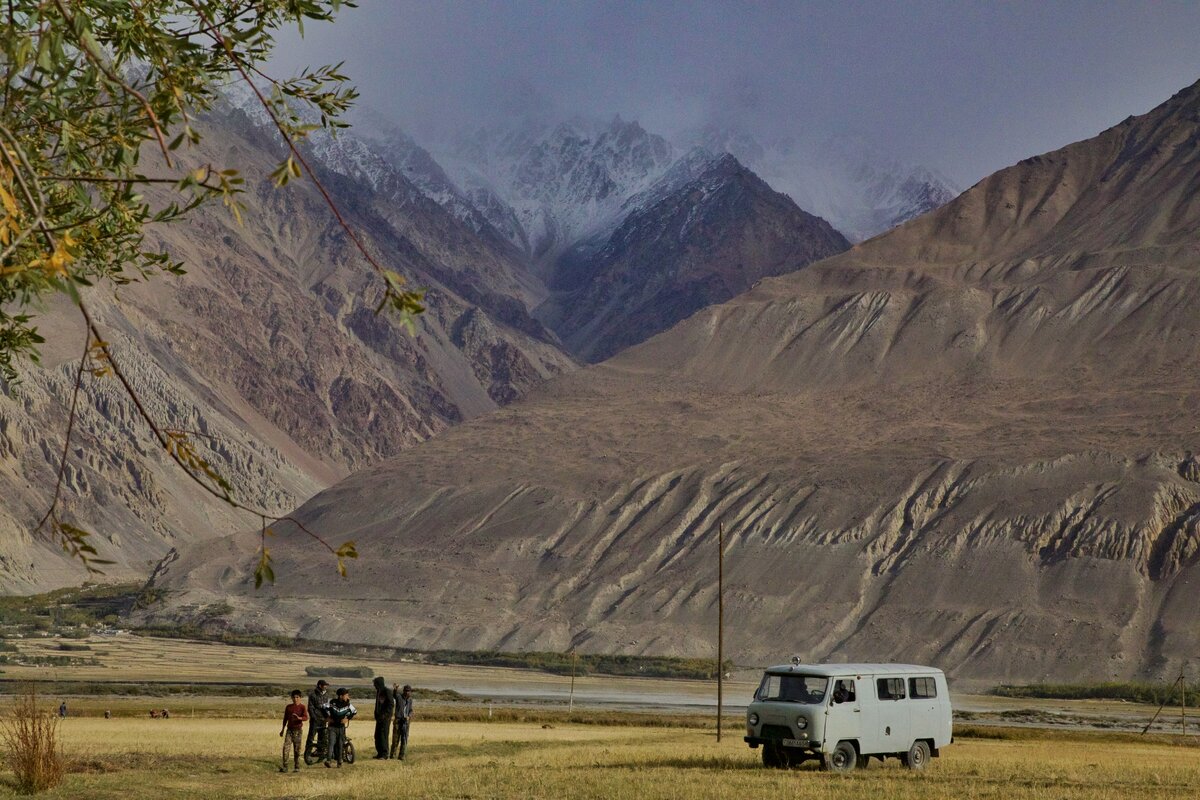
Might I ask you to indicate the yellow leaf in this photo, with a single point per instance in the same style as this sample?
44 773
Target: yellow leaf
58 261
10 202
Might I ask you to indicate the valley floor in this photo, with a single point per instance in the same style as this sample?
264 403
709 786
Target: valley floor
130 674
131 759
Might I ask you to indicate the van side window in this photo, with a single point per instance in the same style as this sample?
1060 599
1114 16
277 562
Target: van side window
769 687
843 691
890 688
922 688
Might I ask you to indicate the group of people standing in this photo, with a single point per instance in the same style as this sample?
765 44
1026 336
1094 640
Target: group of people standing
393 712
327 718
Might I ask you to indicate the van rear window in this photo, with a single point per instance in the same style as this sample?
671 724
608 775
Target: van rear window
890 688
921 688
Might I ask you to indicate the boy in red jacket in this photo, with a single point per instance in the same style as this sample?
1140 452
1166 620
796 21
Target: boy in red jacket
294 717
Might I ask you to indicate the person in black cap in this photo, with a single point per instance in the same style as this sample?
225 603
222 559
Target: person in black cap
318 718
385 705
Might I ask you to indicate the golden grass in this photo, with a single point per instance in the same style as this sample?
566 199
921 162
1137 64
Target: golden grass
131 759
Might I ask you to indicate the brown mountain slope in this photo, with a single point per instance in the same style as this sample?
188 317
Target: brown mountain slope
967 442
270 344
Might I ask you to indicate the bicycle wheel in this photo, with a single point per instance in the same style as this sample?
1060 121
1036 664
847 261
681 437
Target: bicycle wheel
348 752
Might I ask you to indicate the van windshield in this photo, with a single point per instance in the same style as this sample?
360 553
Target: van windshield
793 688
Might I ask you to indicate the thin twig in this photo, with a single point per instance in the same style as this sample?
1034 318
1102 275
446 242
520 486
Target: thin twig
134 179
229 19
62 464
163 439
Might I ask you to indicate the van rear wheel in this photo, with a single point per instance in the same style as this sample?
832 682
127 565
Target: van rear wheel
917 756
844 758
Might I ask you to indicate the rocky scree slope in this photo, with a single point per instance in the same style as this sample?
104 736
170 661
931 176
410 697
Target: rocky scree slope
968 442
270 352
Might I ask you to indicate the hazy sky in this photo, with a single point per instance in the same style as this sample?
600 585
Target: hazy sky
964 87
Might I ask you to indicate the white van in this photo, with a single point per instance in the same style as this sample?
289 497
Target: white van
843 714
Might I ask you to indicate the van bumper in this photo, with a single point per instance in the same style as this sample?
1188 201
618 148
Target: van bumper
755 741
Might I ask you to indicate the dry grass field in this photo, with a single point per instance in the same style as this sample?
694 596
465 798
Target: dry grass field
221 746
131 759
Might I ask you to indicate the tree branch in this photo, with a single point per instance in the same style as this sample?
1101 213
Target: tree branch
98 60
220 39
62 464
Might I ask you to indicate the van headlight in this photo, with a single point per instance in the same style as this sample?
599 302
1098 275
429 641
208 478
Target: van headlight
802 723
753 718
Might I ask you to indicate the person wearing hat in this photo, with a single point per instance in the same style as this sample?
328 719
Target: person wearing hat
318 718
404 710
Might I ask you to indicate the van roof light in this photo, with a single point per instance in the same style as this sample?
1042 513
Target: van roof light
795 661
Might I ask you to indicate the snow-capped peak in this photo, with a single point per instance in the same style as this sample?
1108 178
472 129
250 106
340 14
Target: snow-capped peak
861 190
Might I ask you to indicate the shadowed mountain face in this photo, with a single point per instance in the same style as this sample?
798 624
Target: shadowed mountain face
859 189
968 442
679 249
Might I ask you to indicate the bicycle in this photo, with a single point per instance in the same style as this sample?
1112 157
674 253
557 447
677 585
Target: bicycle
316 753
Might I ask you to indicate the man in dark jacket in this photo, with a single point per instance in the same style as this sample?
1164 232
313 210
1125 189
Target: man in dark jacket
385 706
318 718
404 710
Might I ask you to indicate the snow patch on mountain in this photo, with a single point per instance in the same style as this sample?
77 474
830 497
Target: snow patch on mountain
339 151
562 182
861 190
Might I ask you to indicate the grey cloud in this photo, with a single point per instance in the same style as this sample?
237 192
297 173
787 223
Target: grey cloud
964 88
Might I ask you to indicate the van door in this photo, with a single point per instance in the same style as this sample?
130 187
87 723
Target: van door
892 715
925 710
843 715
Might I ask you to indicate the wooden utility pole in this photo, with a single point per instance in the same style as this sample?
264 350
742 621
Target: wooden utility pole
1181 682
720 625
571 700
1182 702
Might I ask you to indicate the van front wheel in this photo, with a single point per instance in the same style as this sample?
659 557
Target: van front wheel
917 756
770 755
844 758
